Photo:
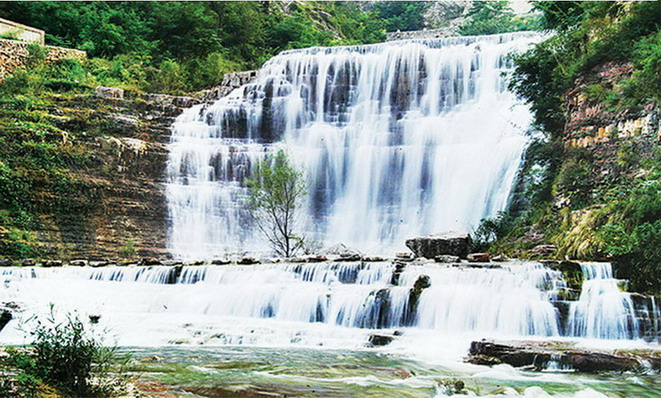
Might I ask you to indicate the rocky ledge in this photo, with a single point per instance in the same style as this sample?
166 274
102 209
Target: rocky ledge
540 355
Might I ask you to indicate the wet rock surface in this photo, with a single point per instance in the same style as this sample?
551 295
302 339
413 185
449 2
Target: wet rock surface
542 355
449 243
377 340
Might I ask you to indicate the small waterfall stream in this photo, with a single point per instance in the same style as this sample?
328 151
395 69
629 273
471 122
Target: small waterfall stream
396 139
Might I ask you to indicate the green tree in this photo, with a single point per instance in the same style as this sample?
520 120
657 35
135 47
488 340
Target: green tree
400 15
275 193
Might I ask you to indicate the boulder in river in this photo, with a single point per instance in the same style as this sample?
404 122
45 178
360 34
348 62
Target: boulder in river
247 260
451 243
377 340
28 262
540 354
220 261
479 257
345 253
6 262
78 263
5 317
404 256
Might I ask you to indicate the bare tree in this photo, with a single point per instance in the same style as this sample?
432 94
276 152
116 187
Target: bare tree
275 193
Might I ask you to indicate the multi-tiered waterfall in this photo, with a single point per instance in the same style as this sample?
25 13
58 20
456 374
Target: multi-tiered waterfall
396 139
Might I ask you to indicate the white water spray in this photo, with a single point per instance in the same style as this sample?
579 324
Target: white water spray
397 140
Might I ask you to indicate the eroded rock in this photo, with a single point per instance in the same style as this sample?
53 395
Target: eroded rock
449 243
539 355
109 92
51 263
247 260
479 257
378 340
28 262
446 258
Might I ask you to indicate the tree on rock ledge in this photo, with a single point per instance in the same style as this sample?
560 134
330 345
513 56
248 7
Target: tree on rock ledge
275 193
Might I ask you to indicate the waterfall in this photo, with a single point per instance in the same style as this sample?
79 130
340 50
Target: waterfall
513 299
396 140
602 310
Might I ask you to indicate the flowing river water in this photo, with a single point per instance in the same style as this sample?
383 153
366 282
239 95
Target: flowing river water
282 327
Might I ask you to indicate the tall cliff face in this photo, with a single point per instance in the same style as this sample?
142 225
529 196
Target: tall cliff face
124 197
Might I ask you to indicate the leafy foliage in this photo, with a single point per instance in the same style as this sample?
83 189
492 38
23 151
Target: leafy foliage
195 42
490 17
275 193
632 234
401 15
66 355
588 34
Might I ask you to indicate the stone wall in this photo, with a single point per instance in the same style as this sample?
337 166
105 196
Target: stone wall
17 31
14 54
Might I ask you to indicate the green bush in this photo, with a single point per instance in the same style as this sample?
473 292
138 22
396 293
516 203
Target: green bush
68 356
575 180
169 78
128 250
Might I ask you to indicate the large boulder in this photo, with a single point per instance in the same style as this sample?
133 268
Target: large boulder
376 340
540 355
109 93
449 243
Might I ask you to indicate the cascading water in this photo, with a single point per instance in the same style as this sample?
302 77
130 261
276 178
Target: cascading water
603 310
331 299
396 139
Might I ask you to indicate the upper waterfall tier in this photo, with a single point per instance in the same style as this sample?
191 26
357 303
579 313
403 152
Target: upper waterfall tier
397 139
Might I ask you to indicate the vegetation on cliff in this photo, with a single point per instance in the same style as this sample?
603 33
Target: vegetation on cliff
586 187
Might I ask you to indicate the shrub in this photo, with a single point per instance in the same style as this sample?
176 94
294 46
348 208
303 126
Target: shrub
169 78
68 356
128 250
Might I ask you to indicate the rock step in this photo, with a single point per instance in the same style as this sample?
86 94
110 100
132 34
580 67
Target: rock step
540 355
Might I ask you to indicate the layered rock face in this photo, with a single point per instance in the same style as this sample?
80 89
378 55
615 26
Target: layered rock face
128 139
121 211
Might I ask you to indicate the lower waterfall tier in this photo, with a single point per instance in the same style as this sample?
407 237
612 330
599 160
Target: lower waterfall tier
512 299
